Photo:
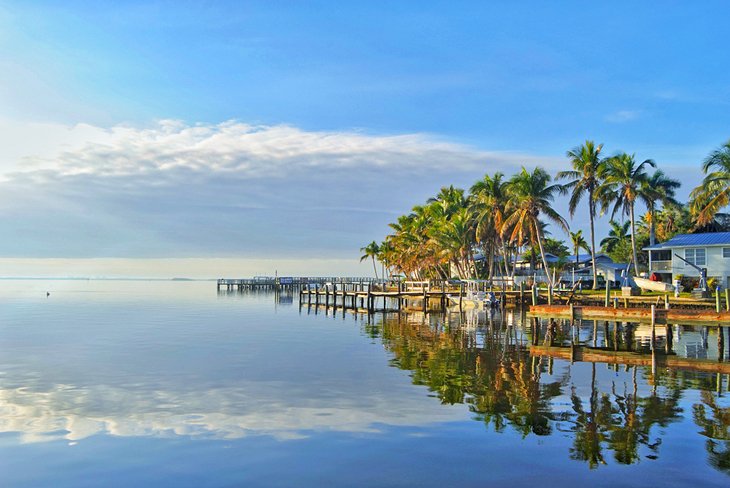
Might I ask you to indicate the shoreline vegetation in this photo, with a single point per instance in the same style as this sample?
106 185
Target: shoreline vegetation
481 233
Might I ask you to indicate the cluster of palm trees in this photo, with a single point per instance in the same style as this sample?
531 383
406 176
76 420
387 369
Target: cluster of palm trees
502 217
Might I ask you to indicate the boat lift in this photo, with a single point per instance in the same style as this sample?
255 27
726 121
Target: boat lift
703 274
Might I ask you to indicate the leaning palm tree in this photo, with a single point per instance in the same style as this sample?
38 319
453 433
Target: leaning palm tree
371 251
585 180
714 192
622 181
658 188
576 238
532 196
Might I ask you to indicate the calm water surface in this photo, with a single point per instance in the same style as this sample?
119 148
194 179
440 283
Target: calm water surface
171 383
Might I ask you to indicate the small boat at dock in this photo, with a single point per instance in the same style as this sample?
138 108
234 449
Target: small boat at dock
474 297
651 285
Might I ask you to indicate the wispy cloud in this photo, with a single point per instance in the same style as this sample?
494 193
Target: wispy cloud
248 151
173 189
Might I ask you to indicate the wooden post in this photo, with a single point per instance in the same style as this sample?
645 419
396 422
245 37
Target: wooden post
727 300
666 302
717 299
550 294
608 294
572 313
461 295
653 325
522 293
534 294
425 300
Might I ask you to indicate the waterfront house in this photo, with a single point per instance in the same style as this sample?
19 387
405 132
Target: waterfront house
707 250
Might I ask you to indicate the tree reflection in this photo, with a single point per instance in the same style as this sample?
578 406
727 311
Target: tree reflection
714 421
506 387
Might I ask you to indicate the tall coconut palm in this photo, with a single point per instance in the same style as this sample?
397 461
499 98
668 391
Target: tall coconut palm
371 251
532 195
489 204
579 242
622 181
714 192
585 179
658 188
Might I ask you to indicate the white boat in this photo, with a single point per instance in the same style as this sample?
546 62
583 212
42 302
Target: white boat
650 285
475 298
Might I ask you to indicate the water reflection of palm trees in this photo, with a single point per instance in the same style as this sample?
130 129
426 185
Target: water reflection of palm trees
506 387
714 421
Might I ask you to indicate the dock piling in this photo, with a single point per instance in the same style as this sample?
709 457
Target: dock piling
717 299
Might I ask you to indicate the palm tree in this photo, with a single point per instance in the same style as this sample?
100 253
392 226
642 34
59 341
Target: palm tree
489 203
622 182
585 180
385 256
714 192
618 234
532 195
658 188
576 238
371 251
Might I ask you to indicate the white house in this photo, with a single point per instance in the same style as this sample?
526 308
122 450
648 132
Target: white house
709 250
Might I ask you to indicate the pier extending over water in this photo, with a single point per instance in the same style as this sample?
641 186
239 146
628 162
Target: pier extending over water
284 282
373 295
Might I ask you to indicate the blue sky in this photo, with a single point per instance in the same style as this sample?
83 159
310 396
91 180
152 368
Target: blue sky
287 129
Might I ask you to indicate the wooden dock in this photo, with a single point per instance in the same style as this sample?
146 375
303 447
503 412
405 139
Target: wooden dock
384 296
645 315
284 282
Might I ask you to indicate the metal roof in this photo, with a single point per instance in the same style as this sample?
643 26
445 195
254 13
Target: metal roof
692 240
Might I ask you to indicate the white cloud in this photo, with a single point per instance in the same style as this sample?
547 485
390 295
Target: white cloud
233 148
243 150
230 189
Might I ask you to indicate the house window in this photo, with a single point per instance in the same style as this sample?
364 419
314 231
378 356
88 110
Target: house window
696 256
726 252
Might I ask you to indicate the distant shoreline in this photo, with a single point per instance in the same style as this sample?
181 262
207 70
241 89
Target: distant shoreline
78 278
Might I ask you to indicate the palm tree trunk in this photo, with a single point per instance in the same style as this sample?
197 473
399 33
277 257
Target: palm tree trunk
592 214
542 253
375 269
490 273
473 264
633 240
505 255
652 229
